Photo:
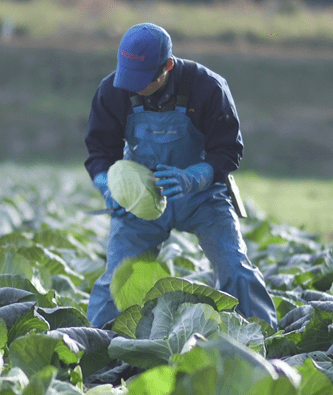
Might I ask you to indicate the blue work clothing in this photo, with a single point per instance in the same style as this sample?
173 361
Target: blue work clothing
209 215
101 183
210 109
171 138
167 138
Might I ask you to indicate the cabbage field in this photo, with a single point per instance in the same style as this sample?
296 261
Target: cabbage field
176 335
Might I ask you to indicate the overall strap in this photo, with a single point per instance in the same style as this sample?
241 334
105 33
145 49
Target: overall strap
185 85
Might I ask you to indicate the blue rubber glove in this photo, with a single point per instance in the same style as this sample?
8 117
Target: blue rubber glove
101 182
176 182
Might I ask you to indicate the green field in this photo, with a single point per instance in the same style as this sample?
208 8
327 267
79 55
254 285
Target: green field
46 98
281 101
175 331
305 203
284 23
176 334
283 104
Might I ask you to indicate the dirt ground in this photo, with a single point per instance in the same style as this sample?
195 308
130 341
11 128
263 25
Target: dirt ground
283 96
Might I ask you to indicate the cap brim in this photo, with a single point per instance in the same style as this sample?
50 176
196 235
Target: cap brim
133 80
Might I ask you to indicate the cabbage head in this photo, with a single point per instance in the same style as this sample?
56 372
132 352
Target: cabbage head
133 186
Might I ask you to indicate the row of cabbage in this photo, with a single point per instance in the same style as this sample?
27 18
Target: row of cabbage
176 334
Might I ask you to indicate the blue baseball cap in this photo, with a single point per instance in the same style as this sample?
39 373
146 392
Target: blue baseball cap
143 49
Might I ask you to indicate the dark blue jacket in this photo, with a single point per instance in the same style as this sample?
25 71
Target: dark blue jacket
210 107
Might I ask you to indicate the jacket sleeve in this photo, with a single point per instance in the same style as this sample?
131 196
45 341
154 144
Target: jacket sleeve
105 134
223 139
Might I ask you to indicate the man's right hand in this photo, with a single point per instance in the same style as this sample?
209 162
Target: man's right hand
101 182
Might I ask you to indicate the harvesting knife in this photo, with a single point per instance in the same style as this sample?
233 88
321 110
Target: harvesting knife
235 196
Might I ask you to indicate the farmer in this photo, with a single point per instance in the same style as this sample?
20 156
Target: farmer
179 119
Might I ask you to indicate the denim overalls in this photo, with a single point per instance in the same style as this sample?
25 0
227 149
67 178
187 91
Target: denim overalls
170 138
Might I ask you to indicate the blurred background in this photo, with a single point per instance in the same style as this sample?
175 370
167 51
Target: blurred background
277 56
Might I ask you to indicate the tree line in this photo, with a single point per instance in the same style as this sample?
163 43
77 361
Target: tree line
283 2
308 2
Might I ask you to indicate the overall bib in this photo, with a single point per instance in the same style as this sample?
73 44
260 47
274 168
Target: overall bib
170 138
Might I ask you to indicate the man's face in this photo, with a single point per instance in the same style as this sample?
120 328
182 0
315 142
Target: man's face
155 85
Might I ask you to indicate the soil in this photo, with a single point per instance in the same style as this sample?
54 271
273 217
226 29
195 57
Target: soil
282 94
